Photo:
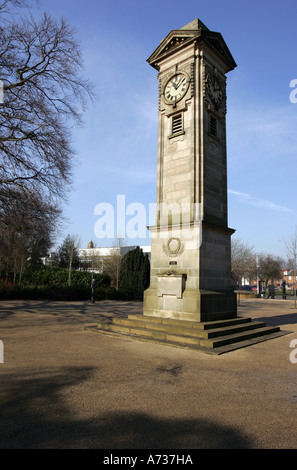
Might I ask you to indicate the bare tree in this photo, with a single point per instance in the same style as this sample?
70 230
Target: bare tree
243 260
270 267
291 249
44 94
112 263
26 232
68 253
6 6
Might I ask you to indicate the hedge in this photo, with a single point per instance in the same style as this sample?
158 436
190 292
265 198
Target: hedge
55 276
51 283
63 293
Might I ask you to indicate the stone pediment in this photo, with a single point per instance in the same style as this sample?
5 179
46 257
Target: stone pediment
175 40
194 31
216 42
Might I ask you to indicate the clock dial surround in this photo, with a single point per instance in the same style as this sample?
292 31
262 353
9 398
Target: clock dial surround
215 90
176 88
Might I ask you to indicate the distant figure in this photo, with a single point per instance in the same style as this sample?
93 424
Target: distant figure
284 289
93 290
261 289
271 291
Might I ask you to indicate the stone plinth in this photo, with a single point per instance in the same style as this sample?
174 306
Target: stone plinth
190 273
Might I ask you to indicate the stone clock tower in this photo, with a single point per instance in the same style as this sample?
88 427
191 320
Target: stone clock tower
191 256
190 302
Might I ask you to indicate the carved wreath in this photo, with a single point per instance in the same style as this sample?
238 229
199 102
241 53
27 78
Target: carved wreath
173 247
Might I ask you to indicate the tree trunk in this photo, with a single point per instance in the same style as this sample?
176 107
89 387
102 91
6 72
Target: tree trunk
70 267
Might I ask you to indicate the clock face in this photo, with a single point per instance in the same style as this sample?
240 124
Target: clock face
176 88
215 90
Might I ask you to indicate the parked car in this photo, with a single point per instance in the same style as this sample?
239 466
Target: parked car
245 288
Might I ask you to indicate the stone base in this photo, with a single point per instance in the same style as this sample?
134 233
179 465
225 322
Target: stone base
198 306
215 337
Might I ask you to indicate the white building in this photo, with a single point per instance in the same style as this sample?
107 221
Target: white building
94 257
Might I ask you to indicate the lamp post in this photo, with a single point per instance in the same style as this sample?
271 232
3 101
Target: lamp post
295 271
259 278
93 285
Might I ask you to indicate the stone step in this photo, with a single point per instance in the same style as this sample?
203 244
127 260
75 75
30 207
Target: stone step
233 329
217 346
174 328
132 330
207 340
187 324
215 337
233 338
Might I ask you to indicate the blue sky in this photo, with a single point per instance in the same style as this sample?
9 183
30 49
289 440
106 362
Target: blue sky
117 147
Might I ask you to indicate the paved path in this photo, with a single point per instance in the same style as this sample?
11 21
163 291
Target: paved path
63 387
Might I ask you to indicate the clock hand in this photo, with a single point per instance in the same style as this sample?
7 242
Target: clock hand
179 83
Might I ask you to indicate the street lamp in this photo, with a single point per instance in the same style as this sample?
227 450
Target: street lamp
259 277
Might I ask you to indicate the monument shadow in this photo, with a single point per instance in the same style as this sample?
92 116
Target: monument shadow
33 415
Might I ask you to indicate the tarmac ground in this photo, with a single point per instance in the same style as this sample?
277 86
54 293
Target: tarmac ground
62 387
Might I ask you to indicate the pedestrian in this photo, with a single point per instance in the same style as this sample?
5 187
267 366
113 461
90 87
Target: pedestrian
93 290
271 291
284 289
